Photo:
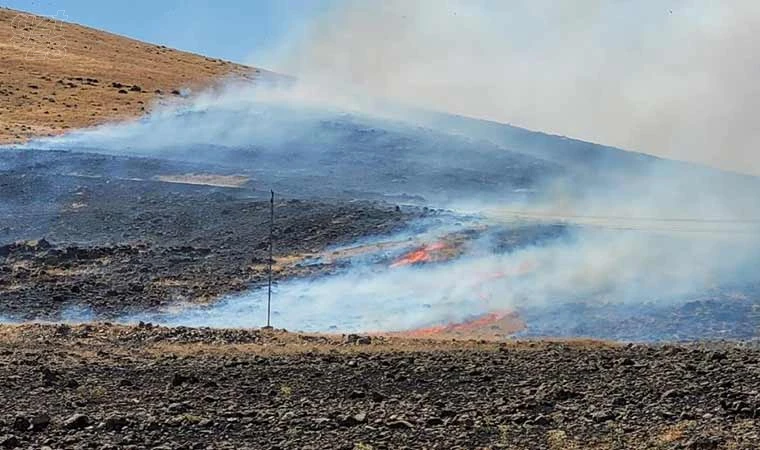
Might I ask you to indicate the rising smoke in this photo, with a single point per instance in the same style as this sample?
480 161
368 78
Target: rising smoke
675 79
631 74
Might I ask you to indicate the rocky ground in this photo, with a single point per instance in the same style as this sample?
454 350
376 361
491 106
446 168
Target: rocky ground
108 386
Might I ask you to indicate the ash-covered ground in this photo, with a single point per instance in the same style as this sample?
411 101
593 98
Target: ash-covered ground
80 241
127 221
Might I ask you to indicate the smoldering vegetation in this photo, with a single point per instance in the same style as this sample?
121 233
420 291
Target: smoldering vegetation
641 235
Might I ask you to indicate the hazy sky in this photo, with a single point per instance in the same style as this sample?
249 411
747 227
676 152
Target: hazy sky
675 78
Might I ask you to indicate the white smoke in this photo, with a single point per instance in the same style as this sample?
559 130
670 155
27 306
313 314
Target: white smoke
583 70
588 265
675 79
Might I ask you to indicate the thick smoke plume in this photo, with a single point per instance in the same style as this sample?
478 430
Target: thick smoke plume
675 79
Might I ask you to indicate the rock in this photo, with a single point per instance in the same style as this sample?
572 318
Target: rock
21 423
356 339
135 88
377 397
115 422
602 416
38 244
353 420
541 421
718 356
40 421
703 443
356 394
321 421
434 422
178 407
9 441
399 425
672 393
76 422
179 379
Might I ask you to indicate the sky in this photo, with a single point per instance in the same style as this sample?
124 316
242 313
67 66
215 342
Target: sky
227 29
673 78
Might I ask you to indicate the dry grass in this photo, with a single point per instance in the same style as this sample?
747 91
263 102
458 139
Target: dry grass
70 272
282 263
675 432
272 342
234 181
92 83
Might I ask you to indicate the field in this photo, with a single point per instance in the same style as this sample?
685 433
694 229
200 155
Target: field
134 266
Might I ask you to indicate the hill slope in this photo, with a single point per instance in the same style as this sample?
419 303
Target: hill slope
92 82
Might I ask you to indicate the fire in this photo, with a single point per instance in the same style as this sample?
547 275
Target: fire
497 322
488 325
426 253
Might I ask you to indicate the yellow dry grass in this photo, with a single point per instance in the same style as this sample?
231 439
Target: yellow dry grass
206 179
93 81
101 336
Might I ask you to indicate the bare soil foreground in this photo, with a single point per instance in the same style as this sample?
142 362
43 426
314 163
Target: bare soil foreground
107 386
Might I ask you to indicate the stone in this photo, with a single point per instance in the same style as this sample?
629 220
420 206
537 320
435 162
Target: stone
21 423
399 425
40 421
9 441
76 422
115 422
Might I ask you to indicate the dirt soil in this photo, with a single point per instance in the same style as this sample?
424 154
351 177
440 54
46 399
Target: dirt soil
97 77
106 386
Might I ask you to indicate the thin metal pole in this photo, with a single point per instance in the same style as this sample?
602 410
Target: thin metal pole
271 246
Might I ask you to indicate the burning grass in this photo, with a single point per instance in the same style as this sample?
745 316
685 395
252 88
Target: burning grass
440 251
490 326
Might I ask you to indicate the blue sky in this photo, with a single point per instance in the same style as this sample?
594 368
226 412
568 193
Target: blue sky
229 29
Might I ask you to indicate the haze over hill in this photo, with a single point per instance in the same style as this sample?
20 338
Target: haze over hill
674 79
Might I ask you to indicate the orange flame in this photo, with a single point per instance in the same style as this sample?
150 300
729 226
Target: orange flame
484 324
423 254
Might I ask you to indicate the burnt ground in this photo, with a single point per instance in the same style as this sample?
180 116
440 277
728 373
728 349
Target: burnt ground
109 244
107 386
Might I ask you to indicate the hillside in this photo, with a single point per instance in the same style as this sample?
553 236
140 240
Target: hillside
100 77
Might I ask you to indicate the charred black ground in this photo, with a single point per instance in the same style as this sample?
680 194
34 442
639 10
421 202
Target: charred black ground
94 240
88 235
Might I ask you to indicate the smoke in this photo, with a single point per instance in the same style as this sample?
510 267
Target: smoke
580 265
675 79
648 230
